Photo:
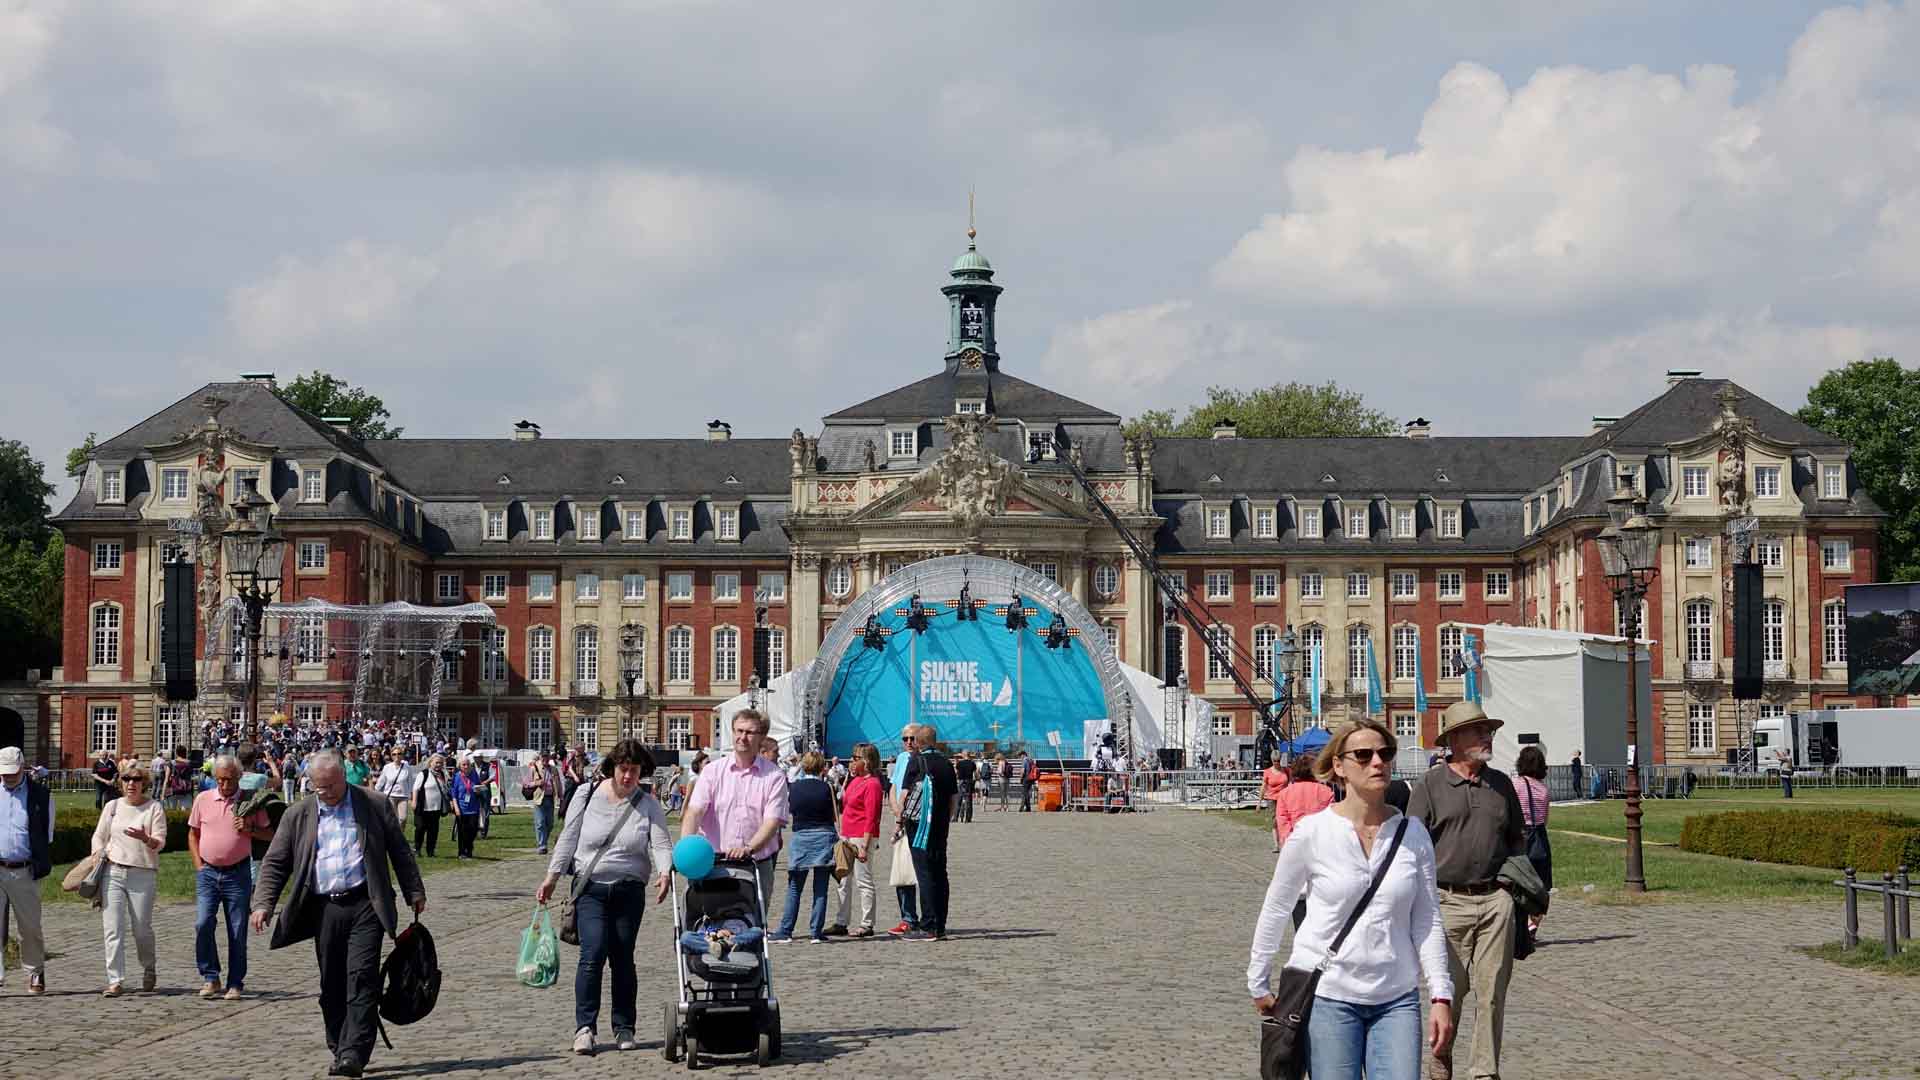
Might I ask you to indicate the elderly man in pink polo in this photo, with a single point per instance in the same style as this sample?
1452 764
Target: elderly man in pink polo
739 803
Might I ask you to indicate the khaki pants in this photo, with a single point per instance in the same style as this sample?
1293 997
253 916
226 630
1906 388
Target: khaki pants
128 904
1480 959
23 898
862 880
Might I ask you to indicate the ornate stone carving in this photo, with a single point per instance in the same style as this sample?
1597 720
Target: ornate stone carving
797 450
1140 451
1734 431
872 454
836 492
970 482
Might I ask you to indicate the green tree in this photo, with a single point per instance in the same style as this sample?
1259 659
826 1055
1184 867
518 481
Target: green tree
1875 405
1283 410
78 456
323 395
23 494
31 599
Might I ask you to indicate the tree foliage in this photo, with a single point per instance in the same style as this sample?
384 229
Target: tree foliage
324 395
1875 405
32 572
77 457
1283 410
24 492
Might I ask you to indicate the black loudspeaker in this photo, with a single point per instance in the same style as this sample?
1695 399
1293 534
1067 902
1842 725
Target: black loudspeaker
196 758
1172 759
1170 649
1748 671
762 653
177 632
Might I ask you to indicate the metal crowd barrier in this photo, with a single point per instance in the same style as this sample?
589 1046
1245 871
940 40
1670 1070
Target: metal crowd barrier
1896 908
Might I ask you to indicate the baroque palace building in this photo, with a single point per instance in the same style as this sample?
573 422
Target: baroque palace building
1395 542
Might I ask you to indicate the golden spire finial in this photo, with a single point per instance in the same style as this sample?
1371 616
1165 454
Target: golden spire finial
970 230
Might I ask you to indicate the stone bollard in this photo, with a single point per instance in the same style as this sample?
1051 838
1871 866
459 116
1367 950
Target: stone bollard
1850 927
1887 930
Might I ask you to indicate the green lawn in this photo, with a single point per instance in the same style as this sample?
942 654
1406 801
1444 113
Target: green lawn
508 835
1870 955
1661 818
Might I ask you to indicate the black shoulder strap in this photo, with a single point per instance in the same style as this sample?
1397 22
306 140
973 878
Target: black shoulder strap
1367 897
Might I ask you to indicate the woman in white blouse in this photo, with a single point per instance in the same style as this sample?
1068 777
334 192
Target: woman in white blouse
1366 1010
131 832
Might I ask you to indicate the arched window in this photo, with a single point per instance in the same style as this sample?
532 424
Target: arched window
1359 637
586 653
1451 640
106 636
1220 657
1773 633
1406 648
1833 633
493 655
776 652
1699 632
726 654
1313 639
680 655
1106 580
540 654
310 641
1263 639
839 580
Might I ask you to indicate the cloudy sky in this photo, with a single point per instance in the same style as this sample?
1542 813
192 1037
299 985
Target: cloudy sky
630 217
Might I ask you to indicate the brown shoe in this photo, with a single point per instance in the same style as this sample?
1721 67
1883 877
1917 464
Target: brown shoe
112 990
149 980
233 993
36 985
211 990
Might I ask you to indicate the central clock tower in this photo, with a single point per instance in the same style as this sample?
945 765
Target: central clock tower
971 297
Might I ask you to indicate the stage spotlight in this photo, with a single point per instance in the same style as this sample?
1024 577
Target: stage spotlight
916 615
871 636
1057 637
1017 615
967 614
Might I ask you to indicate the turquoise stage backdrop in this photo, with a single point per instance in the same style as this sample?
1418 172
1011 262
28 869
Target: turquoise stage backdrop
962 677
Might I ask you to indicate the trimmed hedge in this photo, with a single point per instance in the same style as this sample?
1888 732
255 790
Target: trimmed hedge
73 832
1834 839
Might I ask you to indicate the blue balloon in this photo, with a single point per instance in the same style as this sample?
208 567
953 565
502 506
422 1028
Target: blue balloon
693 857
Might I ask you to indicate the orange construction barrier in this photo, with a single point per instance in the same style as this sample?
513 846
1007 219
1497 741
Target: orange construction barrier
1049 786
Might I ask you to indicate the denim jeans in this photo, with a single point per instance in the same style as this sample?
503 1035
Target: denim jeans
609 919
909 899
542 822
1343 1038
213 890
822 876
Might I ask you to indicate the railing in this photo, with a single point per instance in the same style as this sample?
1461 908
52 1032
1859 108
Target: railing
1896 908
586 688
1357 687
1777 669
1702 669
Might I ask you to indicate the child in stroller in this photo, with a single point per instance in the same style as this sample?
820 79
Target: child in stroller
726 1003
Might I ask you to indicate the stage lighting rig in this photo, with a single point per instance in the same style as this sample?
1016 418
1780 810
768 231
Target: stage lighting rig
873 635
1058 634
916 615
965 604
1016 614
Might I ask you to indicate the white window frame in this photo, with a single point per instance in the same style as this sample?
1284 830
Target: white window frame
1406 729
1360 516
633 523
1833 634
680 524
770 587
488 583
839 580
726 523
776 652
543 523
1450 640
443 579
1223 723
903 443
1698 629
1403 522
1457 592
1770 552
113 485
675 593
310 641
494 654
1449 523
586 587
679 731
1406 651
1697 553
1265 519
169 726
313 484
103 729
1762 489
1219 584
1359 635
496 524
1773 632
586 654
167 478
1219 522
540 654
313 556
726 654
1221 635
108 556
586 729
1703 723
539 731
633 588
1695 482
1833 480
1364 582
1106 580
541 586
106 627
1498 584
1310 523
1408 578
1048 570
1313 585
726 587
1264 637
1836 555
679 670
586 522
970 406
1266 584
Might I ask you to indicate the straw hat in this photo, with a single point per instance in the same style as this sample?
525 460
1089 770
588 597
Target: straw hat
1464 714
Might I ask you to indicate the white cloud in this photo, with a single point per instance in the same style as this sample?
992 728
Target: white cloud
1124 358
28 33
353 290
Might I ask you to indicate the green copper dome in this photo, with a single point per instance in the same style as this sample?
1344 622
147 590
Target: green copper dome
972 262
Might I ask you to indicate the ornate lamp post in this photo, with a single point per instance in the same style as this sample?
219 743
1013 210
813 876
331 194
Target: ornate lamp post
254 554
631 672
1630 554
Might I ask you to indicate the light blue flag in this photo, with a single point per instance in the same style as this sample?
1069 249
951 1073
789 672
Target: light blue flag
1376 700
1470 665
1313 679
1419 678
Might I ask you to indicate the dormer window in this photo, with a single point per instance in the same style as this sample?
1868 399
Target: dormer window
313 484
902 443
497 524
1263 522
971 406
1357 523
1039 446
1833 480
680 523
543 523
174 485
586 522
1310 523
726 523
113 484
1450 522
1403 522
1219 523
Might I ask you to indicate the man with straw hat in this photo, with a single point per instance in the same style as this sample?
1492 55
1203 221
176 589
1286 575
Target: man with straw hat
1473 814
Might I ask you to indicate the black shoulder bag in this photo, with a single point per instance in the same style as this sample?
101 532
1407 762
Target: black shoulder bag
1283 1034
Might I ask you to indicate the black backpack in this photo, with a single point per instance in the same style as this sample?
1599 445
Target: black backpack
411 977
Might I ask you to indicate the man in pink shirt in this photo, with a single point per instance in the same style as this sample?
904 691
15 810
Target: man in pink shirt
222 851
739 803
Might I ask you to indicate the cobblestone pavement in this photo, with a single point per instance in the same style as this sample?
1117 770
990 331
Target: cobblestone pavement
1084 945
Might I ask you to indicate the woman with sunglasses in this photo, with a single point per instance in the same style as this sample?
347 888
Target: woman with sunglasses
131 832
1366 1009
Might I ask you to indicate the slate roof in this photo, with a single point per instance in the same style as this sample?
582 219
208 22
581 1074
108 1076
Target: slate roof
1489 525
1389 465
253 408
934 396
454 527
1687 411
549 468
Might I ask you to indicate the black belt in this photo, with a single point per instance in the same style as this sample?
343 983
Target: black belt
358 892
11 865
1484 888
230 866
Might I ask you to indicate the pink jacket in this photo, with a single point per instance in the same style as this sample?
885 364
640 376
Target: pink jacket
1301 798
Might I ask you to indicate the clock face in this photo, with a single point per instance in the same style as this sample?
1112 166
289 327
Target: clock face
970 359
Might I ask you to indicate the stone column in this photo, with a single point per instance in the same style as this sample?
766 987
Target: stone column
803 608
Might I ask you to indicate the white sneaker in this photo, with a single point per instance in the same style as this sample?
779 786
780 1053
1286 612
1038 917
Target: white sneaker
625 1040
583 1041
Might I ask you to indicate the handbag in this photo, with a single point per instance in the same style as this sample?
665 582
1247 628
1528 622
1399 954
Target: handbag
569 908
86 876
900 874
844 853
1283 1034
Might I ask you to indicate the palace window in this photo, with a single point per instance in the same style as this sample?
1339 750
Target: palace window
1219 584
680 732
1106 580
173 485
586 588
902 444
726 523
680 655
1773 632
1357 524
543 523
1699 632
106 636
636 528
1358 639
1310 523
586 653
496 524
1359 585
1452 584
586 522
447 586
726 654
1263 522
106 556
1403 522
112 485
1833 481
539 587
313 554
682 524
679 587
1404 584
1701 728
103 729
1312 585
1699 553
1499 584
1220 657
1833 633
726 587
1450 522
1451 639
1263 640
493 654
1836 554
1770 552
1266 585
540 654
839 580
1766 481
772 588
1219 523
633 587
1406 650
540 732
493 586
313 484
776 652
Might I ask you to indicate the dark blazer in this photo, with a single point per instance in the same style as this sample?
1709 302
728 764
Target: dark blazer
289 866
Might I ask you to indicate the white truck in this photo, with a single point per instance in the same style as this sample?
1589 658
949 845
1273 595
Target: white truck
1838 739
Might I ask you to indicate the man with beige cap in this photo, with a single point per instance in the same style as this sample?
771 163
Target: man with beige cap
1473 815
26 856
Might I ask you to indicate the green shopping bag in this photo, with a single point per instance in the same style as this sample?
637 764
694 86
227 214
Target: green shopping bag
539 951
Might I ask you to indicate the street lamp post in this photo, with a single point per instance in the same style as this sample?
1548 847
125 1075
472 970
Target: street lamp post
1630 554
253 567
630 674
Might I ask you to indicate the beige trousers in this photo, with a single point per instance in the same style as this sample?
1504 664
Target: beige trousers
1480 958
862 880
23 899
127 897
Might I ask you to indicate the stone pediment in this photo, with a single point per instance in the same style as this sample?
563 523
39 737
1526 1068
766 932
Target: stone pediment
972 486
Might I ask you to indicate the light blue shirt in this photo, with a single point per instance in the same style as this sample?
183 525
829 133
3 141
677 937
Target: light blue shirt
16 844
339 862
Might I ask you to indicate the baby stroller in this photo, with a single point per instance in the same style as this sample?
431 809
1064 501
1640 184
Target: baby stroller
726 1003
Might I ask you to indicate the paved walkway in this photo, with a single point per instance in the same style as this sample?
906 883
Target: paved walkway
1085 945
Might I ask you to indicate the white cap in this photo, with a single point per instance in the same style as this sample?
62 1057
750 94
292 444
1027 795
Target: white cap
11 760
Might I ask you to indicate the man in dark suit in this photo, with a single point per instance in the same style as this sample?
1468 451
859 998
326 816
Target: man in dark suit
931 773
331 856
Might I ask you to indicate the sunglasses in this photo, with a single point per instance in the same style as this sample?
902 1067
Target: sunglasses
1365 755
